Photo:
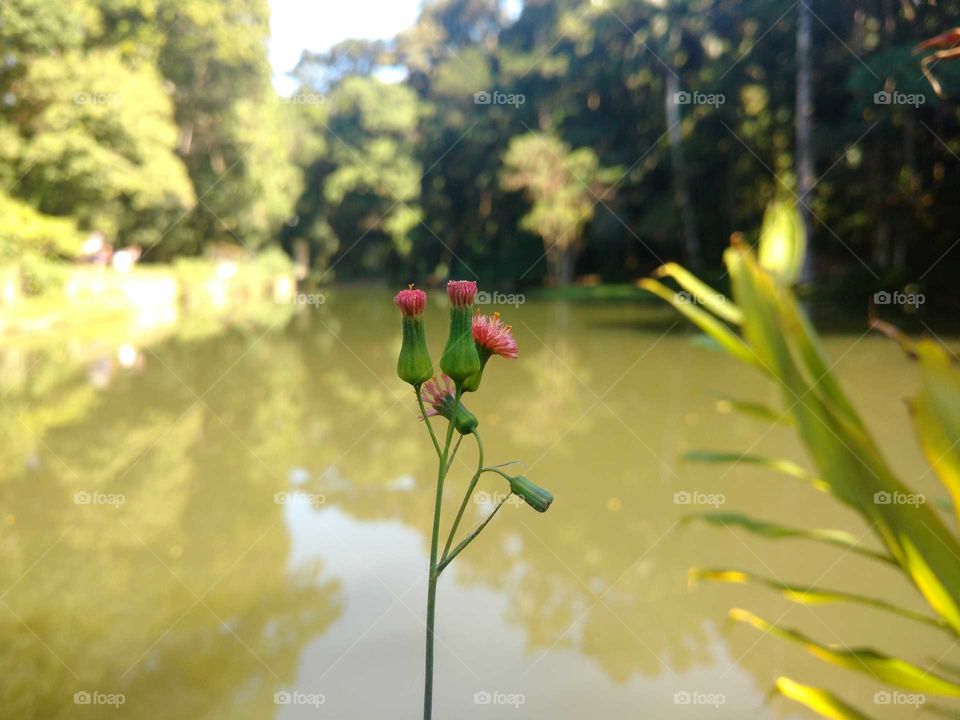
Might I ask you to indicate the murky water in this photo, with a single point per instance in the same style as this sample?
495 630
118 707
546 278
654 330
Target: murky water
236 525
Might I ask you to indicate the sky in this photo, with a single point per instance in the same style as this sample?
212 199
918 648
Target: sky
296 25
317 25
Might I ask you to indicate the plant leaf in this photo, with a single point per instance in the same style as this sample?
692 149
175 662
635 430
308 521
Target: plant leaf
820 701
809 595
775 531
890 670
703 320
936 416
716 302
753 409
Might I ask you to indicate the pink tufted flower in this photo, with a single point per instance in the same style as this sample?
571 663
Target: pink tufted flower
411 302
493 337
437 393
461 292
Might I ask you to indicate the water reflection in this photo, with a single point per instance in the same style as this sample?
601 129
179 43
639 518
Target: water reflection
229 516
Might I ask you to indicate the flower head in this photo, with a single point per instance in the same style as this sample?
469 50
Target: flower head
493 337
459 359
439 395
414 365
411 302
461 292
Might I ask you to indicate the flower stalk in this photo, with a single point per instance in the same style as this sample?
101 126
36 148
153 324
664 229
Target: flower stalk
472 341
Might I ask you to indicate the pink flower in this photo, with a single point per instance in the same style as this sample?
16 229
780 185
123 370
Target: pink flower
437 394
461 292
493 337
411 302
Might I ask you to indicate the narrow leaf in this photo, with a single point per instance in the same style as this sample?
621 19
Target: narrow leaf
890 670
822 702
775 531
809 595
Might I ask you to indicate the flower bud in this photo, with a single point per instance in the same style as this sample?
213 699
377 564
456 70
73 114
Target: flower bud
440 395
414 365
459 359
533 495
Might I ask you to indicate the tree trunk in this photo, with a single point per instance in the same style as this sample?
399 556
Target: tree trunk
681 196
803 116
561 262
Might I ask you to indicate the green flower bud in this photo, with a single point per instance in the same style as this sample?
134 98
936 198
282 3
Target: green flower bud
533 495
459 359
414 365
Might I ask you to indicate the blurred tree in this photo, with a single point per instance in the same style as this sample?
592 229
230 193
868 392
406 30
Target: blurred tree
563 186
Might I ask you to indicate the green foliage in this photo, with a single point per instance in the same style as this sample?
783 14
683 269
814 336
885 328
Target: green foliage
776 338
563 187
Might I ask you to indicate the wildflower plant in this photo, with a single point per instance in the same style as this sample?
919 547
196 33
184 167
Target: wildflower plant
472 340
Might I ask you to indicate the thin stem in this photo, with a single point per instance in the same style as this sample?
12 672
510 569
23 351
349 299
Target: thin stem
495 470
453 453
469 538
434 571
426 420
466 499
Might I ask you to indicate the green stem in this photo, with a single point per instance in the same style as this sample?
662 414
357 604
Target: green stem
423 414
453 454
469 538
434 570
466 499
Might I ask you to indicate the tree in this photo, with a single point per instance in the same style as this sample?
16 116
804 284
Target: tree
564 187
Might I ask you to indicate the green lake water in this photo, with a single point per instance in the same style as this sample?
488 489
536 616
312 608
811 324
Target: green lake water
236 524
